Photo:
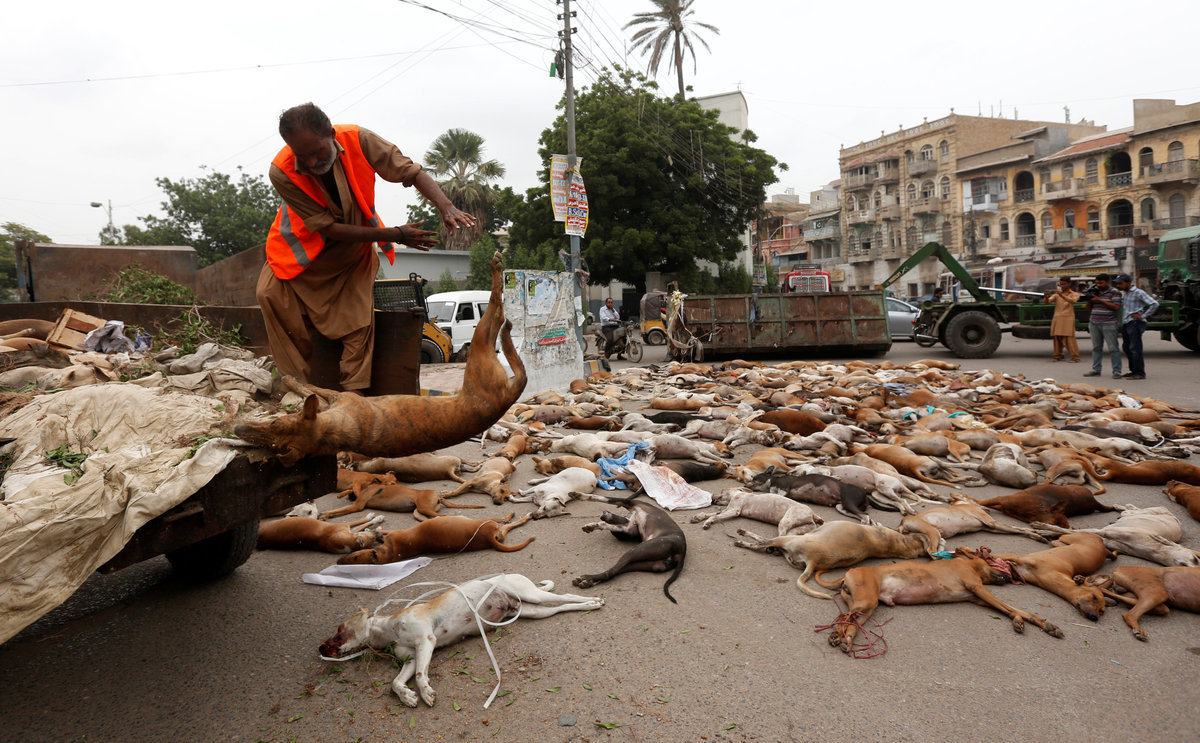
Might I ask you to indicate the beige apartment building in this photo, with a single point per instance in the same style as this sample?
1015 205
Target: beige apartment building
1015 200
903 190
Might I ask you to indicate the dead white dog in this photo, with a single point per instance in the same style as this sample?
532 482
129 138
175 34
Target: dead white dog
770 508
1149 533
417 630
552 494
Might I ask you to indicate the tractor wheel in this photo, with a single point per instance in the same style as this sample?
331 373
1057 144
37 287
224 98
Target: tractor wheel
431 353
973 335
216 556
1189 336
656 337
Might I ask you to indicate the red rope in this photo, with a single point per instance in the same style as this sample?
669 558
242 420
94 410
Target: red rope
1006 567
864 645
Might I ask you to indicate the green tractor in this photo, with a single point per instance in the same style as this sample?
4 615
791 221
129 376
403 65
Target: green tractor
1179 281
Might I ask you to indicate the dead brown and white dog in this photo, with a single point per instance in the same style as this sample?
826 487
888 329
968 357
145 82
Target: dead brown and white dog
552 494
395 425
417 631
770 508
306 533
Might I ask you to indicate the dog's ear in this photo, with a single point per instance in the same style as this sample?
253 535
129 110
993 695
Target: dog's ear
310 408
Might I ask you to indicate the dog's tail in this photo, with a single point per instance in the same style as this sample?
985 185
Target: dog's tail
674 575
834 586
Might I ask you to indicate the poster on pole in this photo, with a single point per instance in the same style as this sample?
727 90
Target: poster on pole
559 185
542 307
577 205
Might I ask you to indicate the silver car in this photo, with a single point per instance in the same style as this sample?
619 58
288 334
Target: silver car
901 316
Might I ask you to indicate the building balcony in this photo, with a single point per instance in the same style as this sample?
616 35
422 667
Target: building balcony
1116 180
921 167
1171 173
892 253
1022 195
888 175
987 247
858 255
984 202
1121 230
825 231
1071 188
926 205
1026 241
861 216
1174 223
1067 237
889 211
856 181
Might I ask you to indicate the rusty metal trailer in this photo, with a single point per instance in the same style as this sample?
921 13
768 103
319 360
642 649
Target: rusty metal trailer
799 324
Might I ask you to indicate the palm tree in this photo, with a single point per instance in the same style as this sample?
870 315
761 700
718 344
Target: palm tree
668 25
457 156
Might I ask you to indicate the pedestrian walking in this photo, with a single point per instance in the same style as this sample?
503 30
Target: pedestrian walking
1136 307
1062 327
1104 302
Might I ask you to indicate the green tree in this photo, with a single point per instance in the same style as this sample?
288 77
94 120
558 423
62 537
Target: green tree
667 185
667 27
456 157
214 214
10 234
480 276
446 282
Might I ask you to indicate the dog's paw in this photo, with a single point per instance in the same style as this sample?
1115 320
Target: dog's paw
1053 631
408 697
582 582
589 528
428 695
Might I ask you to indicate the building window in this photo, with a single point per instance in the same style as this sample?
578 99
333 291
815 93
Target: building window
1069 219
927 152
1145 159
1174 152
877 199
1148 210
852 202
944 151
927 190
945 187
1047 222
1044 175
912 192
1093 219
1092 170
1004 229
985 230
908 156
947 234
1068 171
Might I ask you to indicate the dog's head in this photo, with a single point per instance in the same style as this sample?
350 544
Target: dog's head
290 436
351 636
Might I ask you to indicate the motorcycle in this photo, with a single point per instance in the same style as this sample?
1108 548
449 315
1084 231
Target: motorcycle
624 342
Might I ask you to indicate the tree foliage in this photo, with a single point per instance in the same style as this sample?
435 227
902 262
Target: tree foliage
10 234
214 214
456 158
667 27
480 276
667 185
446 282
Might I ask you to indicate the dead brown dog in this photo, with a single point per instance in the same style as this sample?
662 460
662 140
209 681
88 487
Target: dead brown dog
910 583
1149 472
1185 495
440 535
1079 553
396 497
418 467
1050 504
492 480
395 425
1156 589
302 533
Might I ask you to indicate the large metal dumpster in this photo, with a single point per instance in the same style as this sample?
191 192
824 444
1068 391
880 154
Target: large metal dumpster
823 323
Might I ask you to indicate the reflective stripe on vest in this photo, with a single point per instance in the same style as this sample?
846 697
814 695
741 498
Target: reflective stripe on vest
291 247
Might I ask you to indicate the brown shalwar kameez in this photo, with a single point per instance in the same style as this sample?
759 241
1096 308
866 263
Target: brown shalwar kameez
333 296
1062 326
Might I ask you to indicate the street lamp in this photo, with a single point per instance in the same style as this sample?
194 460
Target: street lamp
108 209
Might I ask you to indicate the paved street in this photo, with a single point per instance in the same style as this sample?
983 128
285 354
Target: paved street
138 656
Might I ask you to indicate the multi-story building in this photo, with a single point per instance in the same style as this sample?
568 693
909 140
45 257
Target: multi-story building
1096 203
902 190
777 237
823 225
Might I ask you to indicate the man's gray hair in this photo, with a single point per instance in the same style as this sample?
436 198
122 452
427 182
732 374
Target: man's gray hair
305 117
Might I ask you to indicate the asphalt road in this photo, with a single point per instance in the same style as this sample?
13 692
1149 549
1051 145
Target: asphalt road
138 656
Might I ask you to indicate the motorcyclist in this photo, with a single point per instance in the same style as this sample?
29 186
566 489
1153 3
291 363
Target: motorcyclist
610 321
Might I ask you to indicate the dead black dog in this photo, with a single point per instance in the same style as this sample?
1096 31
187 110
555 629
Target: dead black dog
663 544
821 490
693 471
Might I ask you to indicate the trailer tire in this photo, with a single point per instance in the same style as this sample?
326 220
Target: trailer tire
431 353
973 335
216 556
1189 337
656 337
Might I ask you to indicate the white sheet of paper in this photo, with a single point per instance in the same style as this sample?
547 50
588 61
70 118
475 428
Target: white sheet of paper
374 577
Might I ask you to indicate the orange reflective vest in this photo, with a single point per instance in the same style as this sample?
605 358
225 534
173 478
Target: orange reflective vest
290 247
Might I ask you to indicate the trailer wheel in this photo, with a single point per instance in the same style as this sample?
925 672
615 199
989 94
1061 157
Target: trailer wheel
216 556
431 353
1189 337
656 337
973 335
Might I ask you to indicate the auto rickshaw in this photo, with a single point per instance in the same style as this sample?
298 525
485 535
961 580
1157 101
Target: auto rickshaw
654 318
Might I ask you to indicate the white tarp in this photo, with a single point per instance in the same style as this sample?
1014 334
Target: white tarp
543 311
53 535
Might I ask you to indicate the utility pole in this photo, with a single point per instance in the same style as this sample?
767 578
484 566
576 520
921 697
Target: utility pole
569 76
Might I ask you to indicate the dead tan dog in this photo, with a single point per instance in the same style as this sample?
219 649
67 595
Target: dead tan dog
438 536
418 467
395 425
303 533
492 480
398 498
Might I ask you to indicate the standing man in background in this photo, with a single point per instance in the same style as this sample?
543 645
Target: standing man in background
321 259
1062 326
1136 307
1104 303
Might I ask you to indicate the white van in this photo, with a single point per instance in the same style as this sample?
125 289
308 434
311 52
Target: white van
457 313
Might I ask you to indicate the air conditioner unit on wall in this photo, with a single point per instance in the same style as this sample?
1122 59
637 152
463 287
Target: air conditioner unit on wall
1140 231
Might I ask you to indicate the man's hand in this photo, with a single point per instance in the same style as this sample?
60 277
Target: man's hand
414 236
456 219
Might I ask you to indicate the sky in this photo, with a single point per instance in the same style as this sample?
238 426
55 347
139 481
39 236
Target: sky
98 99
